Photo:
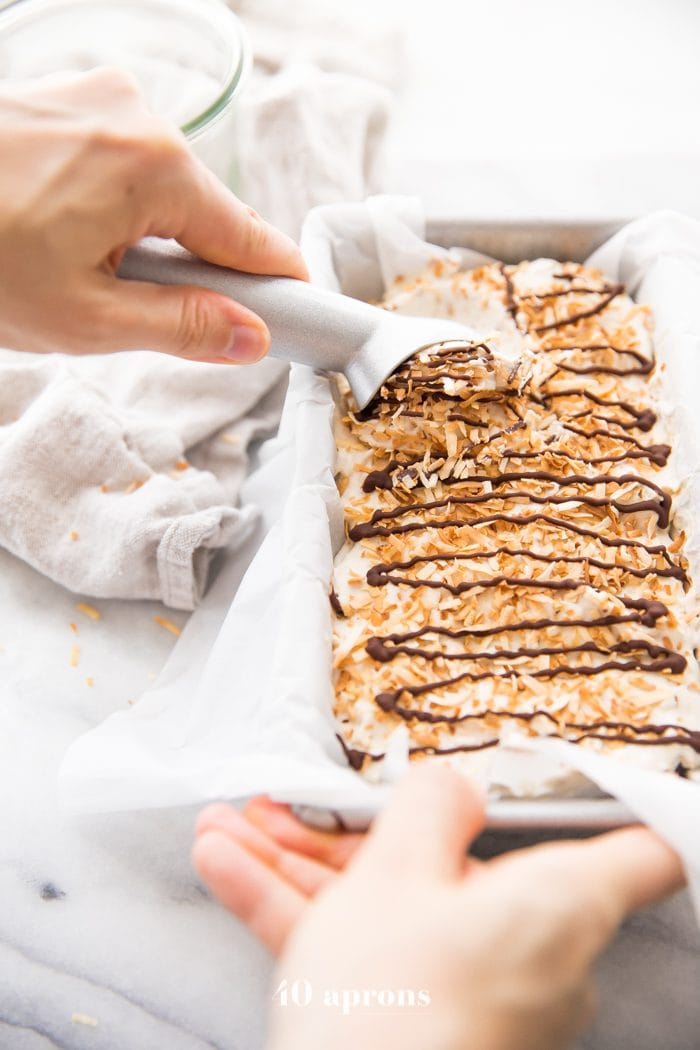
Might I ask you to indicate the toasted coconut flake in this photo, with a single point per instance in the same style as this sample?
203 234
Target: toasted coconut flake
168 625
552 424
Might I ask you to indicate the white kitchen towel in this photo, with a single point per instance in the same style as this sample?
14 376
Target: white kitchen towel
101 486
313 117
120 475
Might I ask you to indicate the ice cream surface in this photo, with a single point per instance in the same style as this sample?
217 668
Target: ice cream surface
514 557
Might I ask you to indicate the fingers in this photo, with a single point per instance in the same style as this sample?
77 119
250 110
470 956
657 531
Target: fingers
185 321
305 874
431 818
194 323
332 848
584 890
206 217
264 885
137 176
632 867
174 193
268 905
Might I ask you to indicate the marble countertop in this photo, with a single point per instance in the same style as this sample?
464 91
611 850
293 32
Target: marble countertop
107 941
102 919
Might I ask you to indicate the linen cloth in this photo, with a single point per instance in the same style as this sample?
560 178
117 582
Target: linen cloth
120 475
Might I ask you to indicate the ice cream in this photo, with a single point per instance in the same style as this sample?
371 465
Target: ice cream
513 558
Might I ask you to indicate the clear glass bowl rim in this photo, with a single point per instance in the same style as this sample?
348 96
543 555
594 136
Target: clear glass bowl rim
214 12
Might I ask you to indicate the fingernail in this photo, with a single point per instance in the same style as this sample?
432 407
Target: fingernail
248 344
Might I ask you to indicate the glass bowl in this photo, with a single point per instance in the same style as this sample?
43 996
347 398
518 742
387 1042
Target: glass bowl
191 58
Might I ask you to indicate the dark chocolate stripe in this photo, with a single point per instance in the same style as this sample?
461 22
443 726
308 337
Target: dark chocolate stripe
661 508
530 296
378 650
650 613
583 314
594 347
383 572
625 439
369 528
388 701
424 381
643 370
656 454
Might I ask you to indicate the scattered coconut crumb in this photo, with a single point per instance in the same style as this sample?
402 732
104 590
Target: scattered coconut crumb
89 610
90 681
103 488
231 439
74 658
133 486
73 627
86 1019
182 464
168 625
74 536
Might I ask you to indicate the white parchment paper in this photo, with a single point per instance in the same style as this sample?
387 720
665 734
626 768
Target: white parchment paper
244 704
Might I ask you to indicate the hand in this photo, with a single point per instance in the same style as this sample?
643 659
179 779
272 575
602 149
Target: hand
504 948
85 171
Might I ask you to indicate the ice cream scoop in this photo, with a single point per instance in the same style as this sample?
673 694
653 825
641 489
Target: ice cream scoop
309 325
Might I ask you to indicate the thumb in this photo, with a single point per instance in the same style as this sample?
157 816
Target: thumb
431 818
182 320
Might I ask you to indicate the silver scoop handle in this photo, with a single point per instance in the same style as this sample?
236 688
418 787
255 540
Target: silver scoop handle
309 325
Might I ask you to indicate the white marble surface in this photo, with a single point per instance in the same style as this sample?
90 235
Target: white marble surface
102 917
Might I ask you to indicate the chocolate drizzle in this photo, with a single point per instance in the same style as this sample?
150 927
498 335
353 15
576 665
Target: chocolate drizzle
656 454
643 369
388 700
335 603
387 648
426 374
650 613
642 419
626 439
511 304
384 573
606 298
585 348
660 507
369 528
572 290
611 528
